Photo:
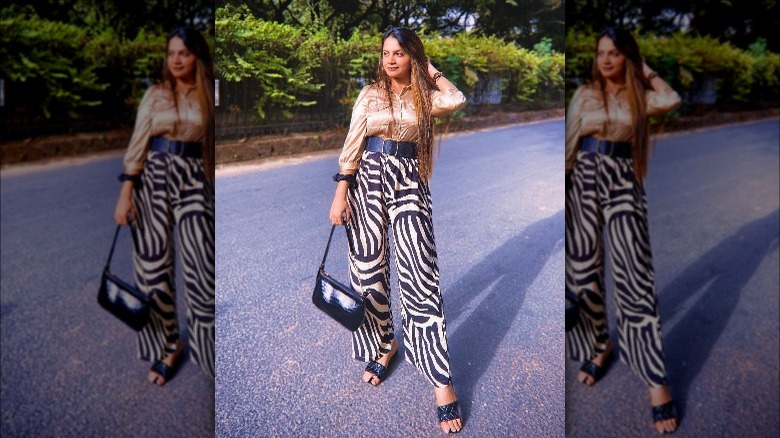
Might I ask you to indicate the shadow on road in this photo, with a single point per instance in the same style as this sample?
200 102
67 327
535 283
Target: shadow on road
507 273
721 274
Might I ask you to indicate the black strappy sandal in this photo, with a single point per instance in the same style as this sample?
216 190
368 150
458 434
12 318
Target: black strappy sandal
666 411
378 370
594 371
449 412
166 371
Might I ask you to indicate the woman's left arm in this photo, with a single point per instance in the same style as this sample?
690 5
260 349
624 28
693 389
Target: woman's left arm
662 98
448 99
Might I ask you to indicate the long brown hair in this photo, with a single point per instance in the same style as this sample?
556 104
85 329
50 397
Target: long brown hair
204 86
422 88
636 85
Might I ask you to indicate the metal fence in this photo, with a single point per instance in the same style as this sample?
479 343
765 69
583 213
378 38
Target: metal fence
237 117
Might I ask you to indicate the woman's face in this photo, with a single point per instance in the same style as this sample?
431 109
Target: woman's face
397 63
610 61
181 62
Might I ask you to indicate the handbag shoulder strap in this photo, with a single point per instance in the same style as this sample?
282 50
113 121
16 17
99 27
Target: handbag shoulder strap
113 244
327 247
351 251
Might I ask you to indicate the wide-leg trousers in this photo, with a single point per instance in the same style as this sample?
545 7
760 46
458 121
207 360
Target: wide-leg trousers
606 197
173 193
390 193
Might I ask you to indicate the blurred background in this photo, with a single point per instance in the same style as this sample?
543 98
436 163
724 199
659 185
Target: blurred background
720 56
72 74
713 192
80 66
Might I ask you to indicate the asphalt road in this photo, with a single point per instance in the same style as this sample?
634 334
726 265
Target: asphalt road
713 200
285 369
68 367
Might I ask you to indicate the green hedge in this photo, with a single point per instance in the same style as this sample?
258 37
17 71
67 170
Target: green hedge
67 71
743 78
297 67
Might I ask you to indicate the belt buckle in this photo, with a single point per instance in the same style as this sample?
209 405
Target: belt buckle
610 147
167 147
393 147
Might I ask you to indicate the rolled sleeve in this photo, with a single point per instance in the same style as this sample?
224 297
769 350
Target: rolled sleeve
349 160
139 142
444 103
661 102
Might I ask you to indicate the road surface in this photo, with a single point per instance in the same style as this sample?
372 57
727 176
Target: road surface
713 199
285 369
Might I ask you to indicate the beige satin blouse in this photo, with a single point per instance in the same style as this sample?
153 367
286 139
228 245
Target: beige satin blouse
586 115
158 116
371 116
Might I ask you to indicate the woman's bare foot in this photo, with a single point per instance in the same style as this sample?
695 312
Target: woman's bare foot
445 396
600 360
372 378
660 395
169 360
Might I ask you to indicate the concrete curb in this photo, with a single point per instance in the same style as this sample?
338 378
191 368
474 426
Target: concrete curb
252 148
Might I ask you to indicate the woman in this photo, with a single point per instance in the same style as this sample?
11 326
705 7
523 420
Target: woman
385 167
168 182
606 161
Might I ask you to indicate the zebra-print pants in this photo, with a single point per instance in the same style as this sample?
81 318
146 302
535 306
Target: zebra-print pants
390 192
173 193
604 195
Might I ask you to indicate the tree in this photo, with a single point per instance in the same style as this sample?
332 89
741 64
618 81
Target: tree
524 22
741 23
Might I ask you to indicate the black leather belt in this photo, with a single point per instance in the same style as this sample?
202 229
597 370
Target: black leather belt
190 149
620 149
406 149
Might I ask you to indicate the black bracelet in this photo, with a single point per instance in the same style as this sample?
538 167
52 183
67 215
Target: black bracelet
350 179
127 177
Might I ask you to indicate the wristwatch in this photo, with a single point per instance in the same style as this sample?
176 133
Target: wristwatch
350 179
128 177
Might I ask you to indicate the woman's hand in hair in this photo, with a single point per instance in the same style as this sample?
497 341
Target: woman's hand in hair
646 70
431 69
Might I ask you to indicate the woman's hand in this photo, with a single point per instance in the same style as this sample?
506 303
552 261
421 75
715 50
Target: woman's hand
646 70
339 209
431 69
124 213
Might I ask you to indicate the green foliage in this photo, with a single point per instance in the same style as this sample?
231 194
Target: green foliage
68 69
48 54
524 23
296 66
472 58
686 61
278 57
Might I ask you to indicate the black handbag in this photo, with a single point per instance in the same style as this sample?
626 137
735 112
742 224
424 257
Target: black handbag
339 301
572 309
122 299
